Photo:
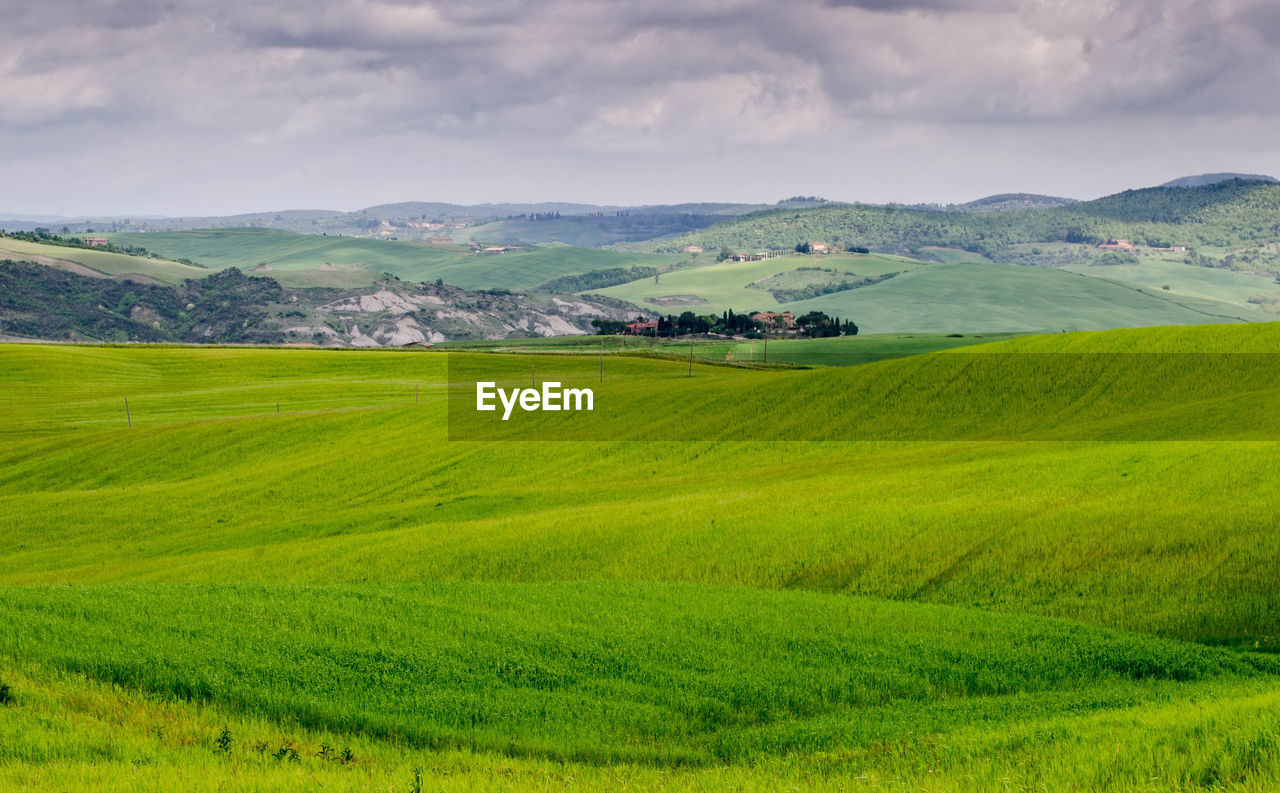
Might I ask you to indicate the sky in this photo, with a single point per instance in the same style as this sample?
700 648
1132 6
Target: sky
209 107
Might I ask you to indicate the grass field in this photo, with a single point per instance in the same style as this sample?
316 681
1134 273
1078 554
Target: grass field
100 263
296 259
1153 274
839 351
687 615
942 298
718 287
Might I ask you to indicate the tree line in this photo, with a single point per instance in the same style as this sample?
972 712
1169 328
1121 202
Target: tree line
814 324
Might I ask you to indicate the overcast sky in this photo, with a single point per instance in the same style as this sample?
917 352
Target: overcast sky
224 106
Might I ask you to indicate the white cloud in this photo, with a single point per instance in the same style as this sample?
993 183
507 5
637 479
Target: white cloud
652 80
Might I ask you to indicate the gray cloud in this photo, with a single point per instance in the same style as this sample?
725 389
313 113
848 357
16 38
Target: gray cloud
613 84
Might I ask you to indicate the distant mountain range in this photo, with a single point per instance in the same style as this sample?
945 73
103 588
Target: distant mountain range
583 225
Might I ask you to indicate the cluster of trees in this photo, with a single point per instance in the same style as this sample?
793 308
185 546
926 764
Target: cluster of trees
805 247
815 324
597 279
804 199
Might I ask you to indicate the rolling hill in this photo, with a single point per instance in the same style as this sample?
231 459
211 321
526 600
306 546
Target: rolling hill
963 296
1201 180
100 264
1221 218
279 569
228 307
314 260
1012 202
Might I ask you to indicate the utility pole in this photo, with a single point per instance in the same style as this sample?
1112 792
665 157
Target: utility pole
533 376
691 356
766 347
602 359
127 416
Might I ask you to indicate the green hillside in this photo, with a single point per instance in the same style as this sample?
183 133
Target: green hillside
87 261
1248 291
286 552
305 260
715 287
960 297
588 231
600 672
1232 215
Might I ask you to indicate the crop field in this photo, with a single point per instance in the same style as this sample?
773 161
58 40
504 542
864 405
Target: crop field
941 298
1154 273
714 288
275 571
312 260
100 263
836 351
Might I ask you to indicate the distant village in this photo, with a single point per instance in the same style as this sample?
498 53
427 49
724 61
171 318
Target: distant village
755 325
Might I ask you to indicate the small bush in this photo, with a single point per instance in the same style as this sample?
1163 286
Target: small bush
6 694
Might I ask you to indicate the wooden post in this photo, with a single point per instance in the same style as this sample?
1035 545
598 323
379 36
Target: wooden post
691 357
533 376
127 416
277 407
602 359
766 347
415 393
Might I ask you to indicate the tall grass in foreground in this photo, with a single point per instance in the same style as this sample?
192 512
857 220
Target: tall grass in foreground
602 672
69 733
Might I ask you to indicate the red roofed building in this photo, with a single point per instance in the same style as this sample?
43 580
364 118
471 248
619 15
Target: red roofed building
774 319
1117 245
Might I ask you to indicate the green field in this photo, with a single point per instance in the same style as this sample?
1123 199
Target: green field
715 288
1153 273
286 544
836 351
943 298
100 263
305 260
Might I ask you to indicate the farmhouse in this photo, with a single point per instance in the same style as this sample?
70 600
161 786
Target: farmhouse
640 328
693 249
1117 245
774 319
816 246
440 240
94 242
